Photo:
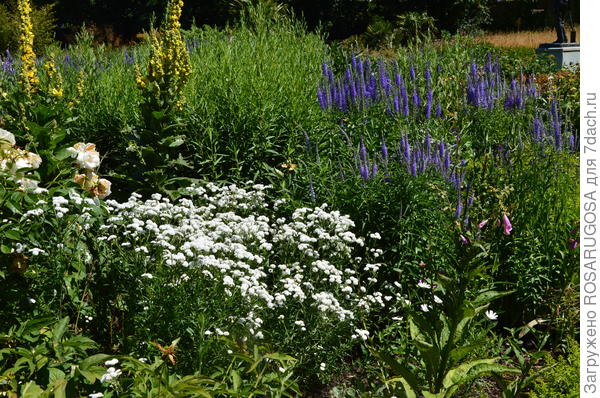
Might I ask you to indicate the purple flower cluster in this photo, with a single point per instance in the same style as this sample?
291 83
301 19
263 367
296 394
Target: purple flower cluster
548 127
486 88
364 84
417 158
8 63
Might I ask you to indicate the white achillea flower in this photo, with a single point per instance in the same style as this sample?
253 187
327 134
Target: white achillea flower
111 373
361 333
227 238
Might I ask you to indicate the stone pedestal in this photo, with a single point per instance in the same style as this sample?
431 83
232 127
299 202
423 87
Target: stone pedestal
564 54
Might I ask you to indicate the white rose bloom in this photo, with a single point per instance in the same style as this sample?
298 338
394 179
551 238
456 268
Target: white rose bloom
34 159
85 155
88 160
7 139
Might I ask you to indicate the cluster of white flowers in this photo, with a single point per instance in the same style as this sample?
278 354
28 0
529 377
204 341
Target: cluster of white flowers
17 162
230 236
230 239
111 372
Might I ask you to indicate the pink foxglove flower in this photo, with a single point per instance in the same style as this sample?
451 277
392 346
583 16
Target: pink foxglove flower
482 224
507 225
573 244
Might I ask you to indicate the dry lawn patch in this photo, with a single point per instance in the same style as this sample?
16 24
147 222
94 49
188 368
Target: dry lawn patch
526 39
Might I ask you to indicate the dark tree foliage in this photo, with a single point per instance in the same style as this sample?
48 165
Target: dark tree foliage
337 18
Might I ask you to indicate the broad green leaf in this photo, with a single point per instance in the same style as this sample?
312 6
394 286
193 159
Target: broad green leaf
458 353
399 369
55 374
31 390
489 296
12 234
428 394
59 330
93 360
469 371
408 391
59 387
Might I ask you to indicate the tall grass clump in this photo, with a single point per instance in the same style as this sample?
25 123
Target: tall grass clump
251 90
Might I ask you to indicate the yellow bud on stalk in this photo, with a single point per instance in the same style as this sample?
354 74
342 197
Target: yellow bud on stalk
28 75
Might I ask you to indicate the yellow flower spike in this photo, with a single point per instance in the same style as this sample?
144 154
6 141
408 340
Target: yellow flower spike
169 64
28 75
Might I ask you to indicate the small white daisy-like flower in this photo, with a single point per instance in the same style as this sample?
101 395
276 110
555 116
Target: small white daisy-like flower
491 315
437 300
322 366
425 307
111 362
424 284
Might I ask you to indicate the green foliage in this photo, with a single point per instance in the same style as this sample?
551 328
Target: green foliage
42 358
562 380
44 24
440 336
415 27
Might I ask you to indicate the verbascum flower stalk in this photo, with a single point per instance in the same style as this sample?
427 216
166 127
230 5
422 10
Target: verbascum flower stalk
169 66
28 75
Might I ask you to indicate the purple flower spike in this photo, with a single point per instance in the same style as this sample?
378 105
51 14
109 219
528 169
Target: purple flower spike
363 151
416 99
507 225
412 72
364 172
459 206
384 151
413 167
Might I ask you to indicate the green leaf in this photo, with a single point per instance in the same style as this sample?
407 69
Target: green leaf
408 390
5 249
458 353
93 360
59 330
469 371
55 374
31 390
398 369
62 154
59 387
236 379
489 296
13 234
